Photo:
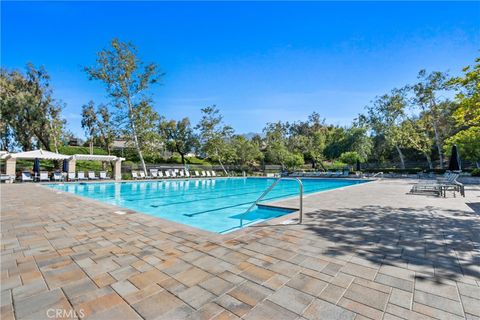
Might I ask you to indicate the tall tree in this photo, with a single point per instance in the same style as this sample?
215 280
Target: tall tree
247 151
385 115
106 128
414 132
467 115
89 123
214 135
429 99
127 80
30 115
179 136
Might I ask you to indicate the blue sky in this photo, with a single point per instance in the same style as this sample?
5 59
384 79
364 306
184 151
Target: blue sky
258 62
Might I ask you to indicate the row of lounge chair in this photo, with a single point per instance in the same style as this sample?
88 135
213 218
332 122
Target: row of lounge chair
440 186
159 174
59 176
328 174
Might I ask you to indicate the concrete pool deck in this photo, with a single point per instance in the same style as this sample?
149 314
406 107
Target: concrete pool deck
369 251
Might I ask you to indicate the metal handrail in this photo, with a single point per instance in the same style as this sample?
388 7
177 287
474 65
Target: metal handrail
300 184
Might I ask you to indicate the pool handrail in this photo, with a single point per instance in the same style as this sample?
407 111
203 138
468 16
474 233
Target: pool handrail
300 184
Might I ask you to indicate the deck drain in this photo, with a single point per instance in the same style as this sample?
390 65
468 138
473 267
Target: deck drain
120 212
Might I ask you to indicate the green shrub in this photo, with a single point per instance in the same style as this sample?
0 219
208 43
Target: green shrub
475 172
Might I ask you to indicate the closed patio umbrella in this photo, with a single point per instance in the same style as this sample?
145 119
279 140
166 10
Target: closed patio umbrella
358 166
454 164
36 165
65 165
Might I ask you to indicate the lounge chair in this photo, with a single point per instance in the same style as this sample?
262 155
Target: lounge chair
81 175
43 176
203 174
135 175
214 174
167 174
26 176
197 174
208 173
142 175
57 176
187 174
5 178
154 173
71 176
91 175
181 174
103 175
173 174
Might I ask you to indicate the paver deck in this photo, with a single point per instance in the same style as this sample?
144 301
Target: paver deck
370 251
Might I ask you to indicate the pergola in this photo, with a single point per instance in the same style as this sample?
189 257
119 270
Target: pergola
11 160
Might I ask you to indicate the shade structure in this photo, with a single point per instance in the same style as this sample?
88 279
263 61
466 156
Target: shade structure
65 165
454 164
36 165
95 157
39 154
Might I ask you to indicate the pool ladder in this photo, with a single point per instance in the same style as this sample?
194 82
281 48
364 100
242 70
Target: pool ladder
300 210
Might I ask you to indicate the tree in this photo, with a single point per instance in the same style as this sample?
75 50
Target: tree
351 158
215 135
415 134
467 115
246 151
106 128
384 117
127 80
179 136
89 122
429 100
30 116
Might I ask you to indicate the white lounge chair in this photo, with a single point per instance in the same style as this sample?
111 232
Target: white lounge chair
160 174
181 174
167 174
203 174
91 175
103 175
174 174
44 176
26 176
142 175
57 176
135 175
71 176
208 173
214 174
197 174
154 173
187 174
81 175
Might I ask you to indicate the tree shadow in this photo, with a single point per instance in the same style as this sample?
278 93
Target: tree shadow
432 241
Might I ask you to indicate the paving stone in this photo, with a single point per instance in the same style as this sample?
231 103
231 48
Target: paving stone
192 276
145 279
36 307
157 305
332 268
342 280
196 296
438 302
405 313
216 285
332 293
276 282
401 298
437 288
79 287
285 268
471 306
397 272
270 310
250 293
291 299
97 301
307 284
321 310
434 312
233 305
360 308
359 271
257 274
208 311
468 290
28 290
124 288
398 283
370 297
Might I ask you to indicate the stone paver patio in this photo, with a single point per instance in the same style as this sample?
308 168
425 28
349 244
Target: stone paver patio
370 251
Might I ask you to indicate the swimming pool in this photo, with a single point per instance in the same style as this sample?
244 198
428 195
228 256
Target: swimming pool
216 205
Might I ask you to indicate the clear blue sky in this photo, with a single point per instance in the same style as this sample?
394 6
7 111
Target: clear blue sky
259 62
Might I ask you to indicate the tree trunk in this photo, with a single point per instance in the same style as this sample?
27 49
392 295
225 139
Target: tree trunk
220 161
90 145
478 164
400 154
429 161
437 143
134 133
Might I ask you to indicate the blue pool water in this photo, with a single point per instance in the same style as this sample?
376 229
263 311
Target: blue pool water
216 205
